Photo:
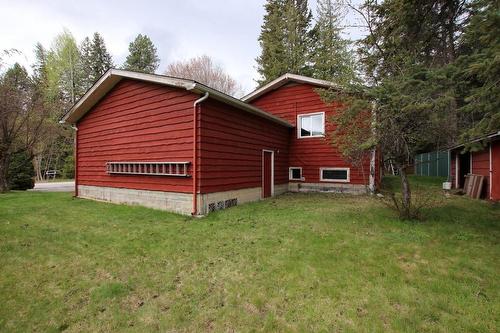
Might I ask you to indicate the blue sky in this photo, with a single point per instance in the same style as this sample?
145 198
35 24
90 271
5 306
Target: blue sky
225 30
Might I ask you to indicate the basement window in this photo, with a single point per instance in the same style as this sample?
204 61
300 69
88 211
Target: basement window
341 175
179 169
295 173
311 125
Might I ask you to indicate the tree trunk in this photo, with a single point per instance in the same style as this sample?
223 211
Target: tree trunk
4 167
405 193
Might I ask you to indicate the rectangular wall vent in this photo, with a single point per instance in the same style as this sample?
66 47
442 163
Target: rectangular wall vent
212 207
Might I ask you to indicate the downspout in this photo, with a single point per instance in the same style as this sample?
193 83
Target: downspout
75 157
194 212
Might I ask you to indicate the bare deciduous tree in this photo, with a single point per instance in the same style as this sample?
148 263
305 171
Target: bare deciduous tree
204 70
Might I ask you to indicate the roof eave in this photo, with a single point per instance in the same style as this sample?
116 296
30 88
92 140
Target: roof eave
239 104
487 137
109 79
282 80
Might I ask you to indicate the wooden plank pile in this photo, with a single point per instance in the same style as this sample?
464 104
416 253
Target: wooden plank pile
473 186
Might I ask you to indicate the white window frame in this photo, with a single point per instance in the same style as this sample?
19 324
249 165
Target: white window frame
348 180
290 174
299 127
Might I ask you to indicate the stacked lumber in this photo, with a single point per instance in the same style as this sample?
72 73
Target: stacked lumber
473 186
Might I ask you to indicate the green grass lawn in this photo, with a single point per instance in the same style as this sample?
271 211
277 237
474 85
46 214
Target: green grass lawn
298 262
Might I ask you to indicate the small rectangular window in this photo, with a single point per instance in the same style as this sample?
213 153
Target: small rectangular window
295 173
311 125
334 175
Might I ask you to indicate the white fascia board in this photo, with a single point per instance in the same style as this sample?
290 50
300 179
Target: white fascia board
283 80
239 104
113 76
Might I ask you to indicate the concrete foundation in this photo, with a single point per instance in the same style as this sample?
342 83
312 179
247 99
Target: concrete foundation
181 203
327 187
208 202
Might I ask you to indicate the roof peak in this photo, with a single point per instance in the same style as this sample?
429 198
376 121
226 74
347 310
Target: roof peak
284 79
112 76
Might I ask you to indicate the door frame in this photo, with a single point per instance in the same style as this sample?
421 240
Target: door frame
272 172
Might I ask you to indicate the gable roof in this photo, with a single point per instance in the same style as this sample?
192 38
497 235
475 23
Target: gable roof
109 79
284 79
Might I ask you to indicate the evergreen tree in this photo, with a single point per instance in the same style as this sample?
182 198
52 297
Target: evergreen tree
331 57
21 174
142 55
85 65
95 59
477 72
40 65
101 59
285 39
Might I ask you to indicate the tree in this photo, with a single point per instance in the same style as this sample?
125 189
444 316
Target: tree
204 70
21 172
332 58
85 64
95 59
63 62
21 116
142 55
285 39
477 70
409 112
403 33
412 96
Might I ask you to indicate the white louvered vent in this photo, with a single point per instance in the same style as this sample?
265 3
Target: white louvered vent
179 169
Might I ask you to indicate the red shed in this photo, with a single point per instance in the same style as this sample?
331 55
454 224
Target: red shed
178 145
485 162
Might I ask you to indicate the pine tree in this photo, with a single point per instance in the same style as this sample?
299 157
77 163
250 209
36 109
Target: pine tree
331 57
477 72
85 64
285 39
142 55
101 59
95 59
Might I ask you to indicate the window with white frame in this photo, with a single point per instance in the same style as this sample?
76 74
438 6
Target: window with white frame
311 125
295 173
334 175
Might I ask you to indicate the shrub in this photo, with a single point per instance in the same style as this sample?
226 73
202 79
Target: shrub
21 171
69 167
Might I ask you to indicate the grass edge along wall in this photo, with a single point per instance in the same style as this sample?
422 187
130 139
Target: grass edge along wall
135 145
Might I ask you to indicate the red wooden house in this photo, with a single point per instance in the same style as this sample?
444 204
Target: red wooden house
485 162
178 145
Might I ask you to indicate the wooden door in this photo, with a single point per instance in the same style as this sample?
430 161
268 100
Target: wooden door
267 173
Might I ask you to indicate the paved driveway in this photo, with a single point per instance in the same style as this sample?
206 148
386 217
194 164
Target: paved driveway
55 187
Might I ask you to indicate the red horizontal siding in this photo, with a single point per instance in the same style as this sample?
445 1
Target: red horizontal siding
495 165
136 121
230 149
311 154
481 166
